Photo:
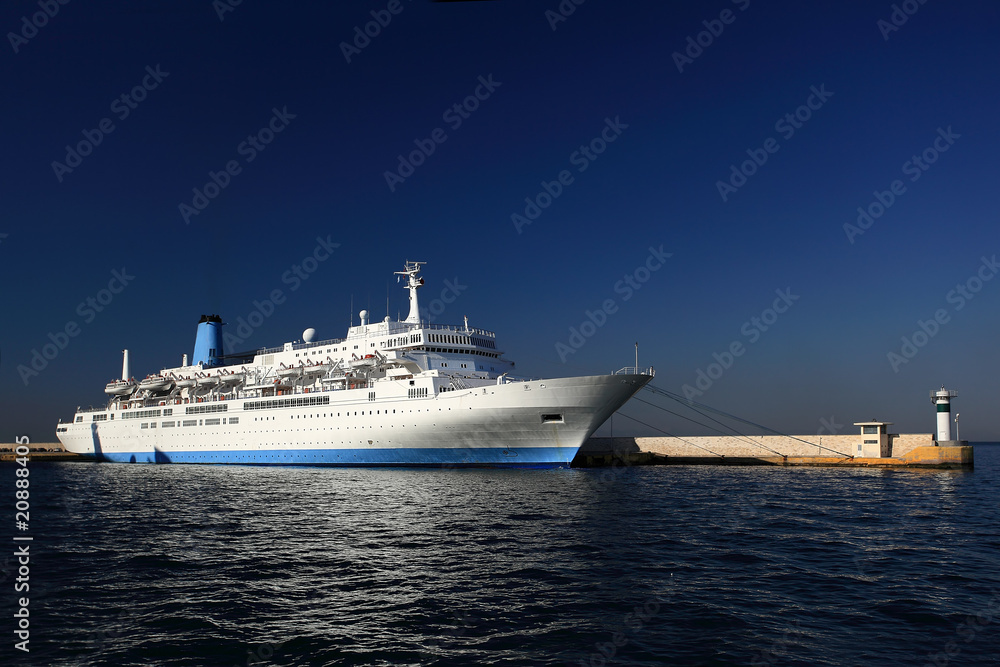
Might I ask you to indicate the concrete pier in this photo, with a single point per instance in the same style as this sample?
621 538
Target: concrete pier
908 450
59 455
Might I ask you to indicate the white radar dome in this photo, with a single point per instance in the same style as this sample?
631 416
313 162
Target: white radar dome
308 335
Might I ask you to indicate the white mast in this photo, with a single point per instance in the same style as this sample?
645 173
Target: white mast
125 374
413 281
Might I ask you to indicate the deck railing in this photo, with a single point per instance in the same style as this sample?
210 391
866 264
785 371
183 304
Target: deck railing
633 370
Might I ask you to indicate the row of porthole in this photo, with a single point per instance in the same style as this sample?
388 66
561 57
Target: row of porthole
370 412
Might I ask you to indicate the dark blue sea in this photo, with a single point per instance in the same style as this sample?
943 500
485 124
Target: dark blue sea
230 565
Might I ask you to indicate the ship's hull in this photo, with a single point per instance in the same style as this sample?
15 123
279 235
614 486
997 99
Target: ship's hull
525 424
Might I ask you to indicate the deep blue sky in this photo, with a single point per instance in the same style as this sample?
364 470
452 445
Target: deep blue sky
323 176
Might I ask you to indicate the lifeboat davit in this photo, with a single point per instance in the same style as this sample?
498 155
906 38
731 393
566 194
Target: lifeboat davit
120 387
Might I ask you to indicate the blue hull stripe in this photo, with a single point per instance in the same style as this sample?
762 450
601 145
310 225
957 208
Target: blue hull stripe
534 457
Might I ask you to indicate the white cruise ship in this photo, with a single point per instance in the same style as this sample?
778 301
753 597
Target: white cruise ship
391 393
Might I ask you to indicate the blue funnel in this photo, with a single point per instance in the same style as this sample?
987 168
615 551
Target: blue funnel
208 342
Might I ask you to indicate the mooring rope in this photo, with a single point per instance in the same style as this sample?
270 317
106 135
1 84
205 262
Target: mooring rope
622 414
691 403
712 428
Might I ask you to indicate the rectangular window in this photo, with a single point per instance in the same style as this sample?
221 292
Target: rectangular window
167 425
189 422
143 425
140 414
234 420
287 403
871 442
869 430
202 409
213 422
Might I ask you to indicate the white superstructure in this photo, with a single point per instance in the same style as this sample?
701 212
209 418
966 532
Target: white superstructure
389 393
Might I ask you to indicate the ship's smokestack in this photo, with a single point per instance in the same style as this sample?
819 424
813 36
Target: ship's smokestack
208 342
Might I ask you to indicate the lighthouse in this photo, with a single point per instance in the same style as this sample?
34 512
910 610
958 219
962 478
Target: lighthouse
942 399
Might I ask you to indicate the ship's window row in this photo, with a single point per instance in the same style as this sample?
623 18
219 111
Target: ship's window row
99 418
202 409
287 403
140 414
449 350
461 340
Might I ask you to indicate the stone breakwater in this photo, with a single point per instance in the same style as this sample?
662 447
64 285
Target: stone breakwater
906 450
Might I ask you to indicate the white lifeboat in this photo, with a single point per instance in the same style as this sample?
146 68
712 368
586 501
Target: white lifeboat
318 368
208 380
120 387
288 372
185 382
155 383
231 378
